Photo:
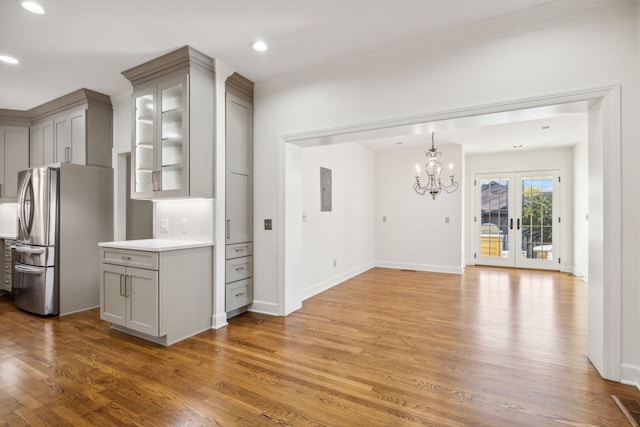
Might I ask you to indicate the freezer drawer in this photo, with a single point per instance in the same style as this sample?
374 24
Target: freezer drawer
34 289
34 255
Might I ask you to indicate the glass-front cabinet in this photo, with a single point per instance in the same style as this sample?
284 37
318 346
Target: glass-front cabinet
173 126
161 140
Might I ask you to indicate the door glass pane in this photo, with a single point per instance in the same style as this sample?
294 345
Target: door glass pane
536 216
494 216
144 143
172 134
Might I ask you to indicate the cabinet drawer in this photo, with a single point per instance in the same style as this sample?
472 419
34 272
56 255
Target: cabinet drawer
239 294
130 258
239 268
239 250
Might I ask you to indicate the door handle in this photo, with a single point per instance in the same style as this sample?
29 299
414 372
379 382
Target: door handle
29 270
511 224
518 223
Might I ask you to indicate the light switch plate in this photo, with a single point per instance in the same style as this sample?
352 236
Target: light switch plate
164 225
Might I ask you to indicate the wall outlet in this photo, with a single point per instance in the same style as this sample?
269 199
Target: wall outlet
184 225
304 217
447 220
334 263
164 225
384 218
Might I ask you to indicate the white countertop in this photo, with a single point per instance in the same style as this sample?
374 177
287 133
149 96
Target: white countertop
155 245
8 236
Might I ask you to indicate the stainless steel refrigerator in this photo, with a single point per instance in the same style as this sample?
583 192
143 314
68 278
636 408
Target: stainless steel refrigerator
63 212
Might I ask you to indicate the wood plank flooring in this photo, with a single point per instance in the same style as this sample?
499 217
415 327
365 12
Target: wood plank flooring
492 347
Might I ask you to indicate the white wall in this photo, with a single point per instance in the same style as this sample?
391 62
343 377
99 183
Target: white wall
503 60
346 234
560 159
186 219
416 234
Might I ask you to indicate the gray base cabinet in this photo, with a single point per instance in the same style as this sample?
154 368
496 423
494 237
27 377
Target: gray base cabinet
163 297
6 272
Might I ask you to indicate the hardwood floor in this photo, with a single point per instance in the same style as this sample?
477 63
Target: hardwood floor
493 347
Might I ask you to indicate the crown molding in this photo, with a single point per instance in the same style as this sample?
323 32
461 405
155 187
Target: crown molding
240 86
80 97
181 59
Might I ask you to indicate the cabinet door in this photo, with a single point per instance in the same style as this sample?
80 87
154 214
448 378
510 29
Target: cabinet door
143 153
173 142
142 300
14 146
71 138
239 149
112 294
41 144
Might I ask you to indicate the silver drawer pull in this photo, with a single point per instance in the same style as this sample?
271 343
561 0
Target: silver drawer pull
239 250
240 294
239 268
126 258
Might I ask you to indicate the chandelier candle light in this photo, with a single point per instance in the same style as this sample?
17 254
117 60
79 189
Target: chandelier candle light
433 168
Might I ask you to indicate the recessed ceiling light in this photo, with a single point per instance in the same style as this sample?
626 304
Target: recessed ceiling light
259 46
8 59
33 7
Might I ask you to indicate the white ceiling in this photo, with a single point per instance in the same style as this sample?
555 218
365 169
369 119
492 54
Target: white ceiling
83 43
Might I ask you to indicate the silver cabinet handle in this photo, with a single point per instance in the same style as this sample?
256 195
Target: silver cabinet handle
239 250
125 258
122 279
1 187
239 268
153 181
127 289
240 294
67 154
228 229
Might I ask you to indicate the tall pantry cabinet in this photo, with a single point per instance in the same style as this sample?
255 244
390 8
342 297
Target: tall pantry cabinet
172 154
239 194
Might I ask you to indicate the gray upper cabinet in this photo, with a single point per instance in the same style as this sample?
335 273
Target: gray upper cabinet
239 176
172 152
75 128
14 157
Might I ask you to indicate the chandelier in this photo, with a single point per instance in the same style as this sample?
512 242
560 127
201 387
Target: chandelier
433 168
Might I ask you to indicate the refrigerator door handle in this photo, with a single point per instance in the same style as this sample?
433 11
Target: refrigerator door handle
28 249
29 269
25 218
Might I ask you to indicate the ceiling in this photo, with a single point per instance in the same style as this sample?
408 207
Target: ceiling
80 43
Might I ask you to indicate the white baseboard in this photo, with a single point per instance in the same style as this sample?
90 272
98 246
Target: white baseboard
421 267
333 281
630 375
264 307
219 320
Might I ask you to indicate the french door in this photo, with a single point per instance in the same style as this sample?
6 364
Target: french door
517 219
